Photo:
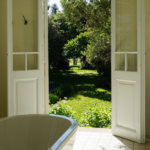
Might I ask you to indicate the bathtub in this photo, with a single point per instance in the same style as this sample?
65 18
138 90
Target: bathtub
36 132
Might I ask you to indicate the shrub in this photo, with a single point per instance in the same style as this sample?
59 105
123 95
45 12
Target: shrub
67 89
60 109
64 91
53 98
97 117
58 92
93 117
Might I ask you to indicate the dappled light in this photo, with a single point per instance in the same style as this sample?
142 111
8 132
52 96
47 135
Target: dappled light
89 104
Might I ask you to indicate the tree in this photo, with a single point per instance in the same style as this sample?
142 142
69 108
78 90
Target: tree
59 32
93 16
76 46
54 9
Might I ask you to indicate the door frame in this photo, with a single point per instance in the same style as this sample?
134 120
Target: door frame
46 66
42 25
141 45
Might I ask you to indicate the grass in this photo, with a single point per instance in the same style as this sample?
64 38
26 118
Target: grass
86 83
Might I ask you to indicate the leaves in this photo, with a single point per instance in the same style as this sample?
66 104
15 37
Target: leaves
59 32
95 116
94 18
94 14
76 46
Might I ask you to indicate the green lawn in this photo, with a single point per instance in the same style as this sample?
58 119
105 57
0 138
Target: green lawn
87 94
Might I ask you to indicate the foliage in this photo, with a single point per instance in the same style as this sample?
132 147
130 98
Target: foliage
100 47
59 32
58 92
60 109
99 54
94 14
86 80
90 106
93 117
96 19
61 92
97 117
76 46
67 90
53 98
64 91
54 9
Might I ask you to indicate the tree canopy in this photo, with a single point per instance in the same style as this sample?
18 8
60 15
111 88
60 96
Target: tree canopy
93 16
60 31
68 32
76 46
54 9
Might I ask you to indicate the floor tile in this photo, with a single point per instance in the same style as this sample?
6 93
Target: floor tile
126 148
101 148
113 148
116 138
78 147
104 141
80 142
89 147
102 144
93 140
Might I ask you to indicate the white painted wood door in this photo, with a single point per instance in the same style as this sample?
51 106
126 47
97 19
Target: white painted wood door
128 85
25 57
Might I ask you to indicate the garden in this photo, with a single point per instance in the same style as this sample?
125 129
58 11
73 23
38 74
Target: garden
82 88
81 97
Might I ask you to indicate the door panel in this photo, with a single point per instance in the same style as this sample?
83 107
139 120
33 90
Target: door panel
26 64
25 96
127 97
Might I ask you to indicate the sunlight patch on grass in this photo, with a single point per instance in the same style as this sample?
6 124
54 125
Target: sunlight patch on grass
82 100
88 100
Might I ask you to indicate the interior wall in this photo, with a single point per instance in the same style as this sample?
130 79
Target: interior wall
147 56
3 58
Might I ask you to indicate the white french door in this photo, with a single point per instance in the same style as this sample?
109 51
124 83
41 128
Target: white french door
128 101
25 57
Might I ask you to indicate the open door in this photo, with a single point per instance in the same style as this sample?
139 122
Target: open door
25 57
128 83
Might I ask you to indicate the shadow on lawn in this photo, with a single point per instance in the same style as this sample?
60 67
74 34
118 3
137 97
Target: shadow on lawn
77 80
84 82
101 95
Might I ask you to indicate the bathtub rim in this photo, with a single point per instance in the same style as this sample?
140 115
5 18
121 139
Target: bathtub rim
60 143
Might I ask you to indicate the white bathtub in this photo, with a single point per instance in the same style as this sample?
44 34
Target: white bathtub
36 132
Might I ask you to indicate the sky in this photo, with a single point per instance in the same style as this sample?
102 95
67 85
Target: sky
57 2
